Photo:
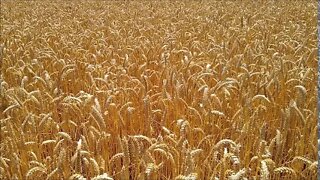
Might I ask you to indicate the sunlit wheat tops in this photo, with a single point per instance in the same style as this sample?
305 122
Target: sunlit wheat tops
158 90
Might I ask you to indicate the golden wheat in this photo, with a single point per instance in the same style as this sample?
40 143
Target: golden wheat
158 90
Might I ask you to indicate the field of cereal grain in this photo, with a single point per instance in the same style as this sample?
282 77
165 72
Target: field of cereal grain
158 90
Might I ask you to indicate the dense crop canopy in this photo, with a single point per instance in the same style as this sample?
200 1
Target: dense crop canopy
158 90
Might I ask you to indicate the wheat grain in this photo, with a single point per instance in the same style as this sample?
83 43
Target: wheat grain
158 90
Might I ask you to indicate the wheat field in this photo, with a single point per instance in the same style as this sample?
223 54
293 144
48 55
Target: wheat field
156 90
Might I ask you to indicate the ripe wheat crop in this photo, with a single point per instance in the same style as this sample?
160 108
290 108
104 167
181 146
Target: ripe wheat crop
158 90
